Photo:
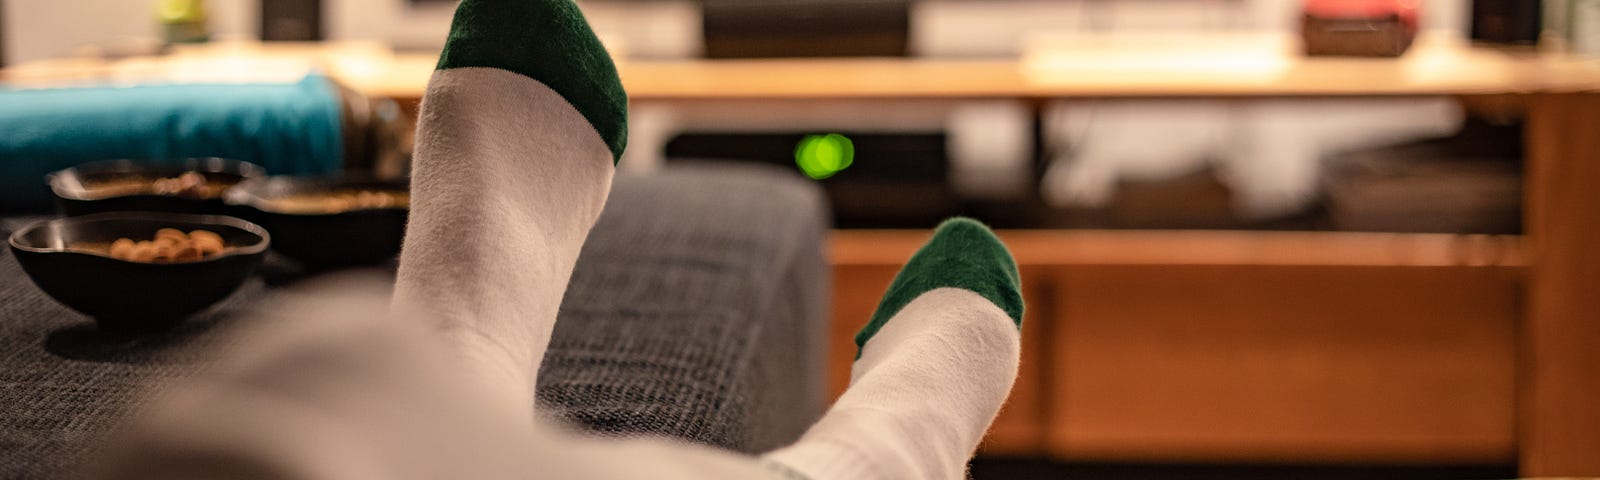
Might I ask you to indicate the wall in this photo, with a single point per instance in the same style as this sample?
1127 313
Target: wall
646 29
48 28
939 27
671 28
39 29
998 27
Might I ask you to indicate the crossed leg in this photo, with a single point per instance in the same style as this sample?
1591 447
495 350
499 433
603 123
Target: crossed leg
520 129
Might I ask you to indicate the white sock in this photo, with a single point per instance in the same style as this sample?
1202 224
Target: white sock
519 132
937 361
921 396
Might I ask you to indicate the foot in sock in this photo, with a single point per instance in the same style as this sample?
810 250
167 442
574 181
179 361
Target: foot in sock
936 361
519 133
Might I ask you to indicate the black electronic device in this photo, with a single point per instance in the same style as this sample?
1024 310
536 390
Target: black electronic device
806 28
291 20
895 179
1516 22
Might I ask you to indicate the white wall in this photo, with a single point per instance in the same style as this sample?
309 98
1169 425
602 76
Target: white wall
997 27
48 28
392 20
38 29
671 29
643 29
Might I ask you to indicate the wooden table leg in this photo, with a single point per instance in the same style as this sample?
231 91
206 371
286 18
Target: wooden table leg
1559 388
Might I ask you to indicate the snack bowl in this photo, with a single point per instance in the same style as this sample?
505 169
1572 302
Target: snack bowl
193 185
68 258
320 222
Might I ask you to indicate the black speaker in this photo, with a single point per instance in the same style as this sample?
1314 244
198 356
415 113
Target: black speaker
291 20
806 28
898 180
1516 22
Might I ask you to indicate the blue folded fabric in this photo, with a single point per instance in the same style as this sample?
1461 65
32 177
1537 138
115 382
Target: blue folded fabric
288 128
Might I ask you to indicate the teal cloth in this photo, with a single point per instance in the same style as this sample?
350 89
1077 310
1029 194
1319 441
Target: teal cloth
287 128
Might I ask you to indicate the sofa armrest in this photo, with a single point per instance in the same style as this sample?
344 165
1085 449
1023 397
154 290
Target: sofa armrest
698 310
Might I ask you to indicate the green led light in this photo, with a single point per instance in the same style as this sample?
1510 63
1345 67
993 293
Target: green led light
822 156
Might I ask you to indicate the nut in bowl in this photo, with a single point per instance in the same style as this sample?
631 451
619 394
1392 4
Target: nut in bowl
132 272
169 246
328 222
192 185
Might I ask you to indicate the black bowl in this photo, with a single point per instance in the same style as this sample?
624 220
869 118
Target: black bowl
76 195
125 296
325 240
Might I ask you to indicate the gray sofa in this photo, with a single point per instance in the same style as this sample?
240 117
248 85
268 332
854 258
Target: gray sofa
697 311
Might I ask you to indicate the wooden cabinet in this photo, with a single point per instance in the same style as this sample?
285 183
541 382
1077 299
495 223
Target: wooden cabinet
1316 347
1283 363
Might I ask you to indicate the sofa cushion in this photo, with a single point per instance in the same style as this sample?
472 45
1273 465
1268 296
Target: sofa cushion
696 311
706 283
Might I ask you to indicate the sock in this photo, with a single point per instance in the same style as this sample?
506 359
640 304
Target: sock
519 133
936 361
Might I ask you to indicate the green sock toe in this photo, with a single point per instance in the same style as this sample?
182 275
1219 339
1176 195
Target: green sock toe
962 254
548 41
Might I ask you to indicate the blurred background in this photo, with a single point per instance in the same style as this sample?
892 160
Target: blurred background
1260 238
1018 161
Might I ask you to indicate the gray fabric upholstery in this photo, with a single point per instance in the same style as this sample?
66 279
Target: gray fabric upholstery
704 288
697 311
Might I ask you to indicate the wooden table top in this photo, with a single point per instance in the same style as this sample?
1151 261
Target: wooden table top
1053 67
